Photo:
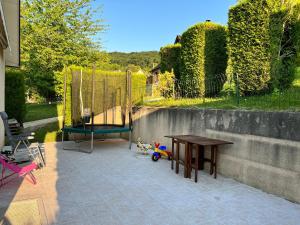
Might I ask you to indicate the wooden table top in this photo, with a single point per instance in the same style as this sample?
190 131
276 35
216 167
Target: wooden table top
204 141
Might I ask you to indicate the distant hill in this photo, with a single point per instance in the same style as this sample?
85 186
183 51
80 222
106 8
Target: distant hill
146 60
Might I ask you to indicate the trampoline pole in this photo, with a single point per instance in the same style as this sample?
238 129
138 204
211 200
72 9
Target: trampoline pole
64 108
130 109
93 90
130 140
65 96
92 141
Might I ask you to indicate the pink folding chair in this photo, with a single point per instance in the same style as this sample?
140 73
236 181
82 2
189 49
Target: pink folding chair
16 169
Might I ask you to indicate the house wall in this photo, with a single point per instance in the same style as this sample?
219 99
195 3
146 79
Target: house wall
2 93
266 149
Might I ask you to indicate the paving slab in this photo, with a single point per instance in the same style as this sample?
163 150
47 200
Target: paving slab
113 185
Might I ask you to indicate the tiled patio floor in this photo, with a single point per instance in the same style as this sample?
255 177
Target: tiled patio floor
114 186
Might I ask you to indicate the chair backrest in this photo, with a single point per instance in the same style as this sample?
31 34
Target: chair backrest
8 133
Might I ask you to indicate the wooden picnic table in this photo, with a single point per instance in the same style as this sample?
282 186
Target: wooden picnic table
201 143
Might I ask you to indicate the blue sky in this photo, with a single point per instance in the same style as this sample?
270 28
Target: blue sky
144 25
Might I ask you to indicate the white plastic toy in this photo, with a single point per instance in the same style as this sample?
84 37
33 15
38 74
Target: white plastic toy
146 149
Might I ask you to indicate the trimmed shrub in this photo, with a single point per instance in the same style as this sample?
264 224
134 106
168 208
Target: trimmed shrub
215 58
15 95
249 53
170 59
138 87
59 89
262 44
285 48
203 58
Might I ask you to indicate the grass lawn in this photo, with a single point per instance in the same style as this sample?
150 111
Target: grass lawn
296 82
43 111
288 100
49 133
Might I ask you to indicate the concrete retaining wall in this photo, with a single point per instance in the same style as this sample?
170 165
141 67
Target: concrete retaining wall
266 150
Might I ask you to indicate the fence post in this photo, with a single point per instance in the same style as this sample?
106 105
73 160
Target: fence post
237 90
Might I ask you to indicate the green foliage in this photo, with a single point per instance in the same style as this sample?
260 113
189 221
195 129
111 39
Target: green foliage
215 58
55 34
133 68
166 84
203 58
285 48
296 82
138 87
105 63
42 111
170 59
248 37
138 84
192 75
145 60
49 133
107 66
288 100
15 95
61 77
263 44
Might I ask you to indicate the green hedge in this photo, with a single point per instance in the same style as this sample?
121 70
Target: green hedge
203 59
170 59
290 45
215 58
138 90
261 52
15 95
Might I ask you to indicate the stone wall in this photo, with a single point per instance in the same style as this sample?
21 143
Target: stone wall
266 150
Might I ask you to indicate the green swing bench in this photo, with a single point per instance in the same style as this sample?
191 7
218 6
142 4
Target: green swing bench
99 102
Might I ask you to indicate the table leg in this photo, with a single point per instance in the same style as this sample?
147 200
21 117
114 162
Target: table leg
186 159
172 158
197 162
190 155
177 157
211 160
201 158
215 160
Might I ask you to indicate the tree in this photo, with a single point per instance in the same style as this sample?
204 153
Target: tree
54 34
170 59
133 68
286 52
166 84
263 44
145 60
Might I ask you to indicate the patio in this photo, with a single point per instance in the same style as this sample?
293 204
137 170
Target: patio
115 186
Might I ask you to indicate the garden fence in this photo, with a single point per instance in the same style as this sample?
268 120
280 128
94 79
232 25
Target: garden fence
219 92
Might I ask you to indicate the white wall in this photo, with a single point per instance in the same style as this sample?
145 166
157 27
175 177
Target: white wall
2 98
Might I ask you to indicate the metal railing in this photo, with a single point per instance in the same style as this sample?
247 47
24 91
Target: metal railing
220 93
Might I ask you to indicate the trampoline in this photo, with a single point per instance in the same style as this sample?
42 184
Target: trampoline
97 102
